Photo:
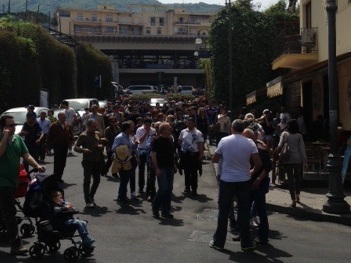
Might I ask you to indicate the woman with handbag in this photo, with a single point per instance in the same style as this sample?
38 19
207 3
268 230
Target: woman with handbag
292 152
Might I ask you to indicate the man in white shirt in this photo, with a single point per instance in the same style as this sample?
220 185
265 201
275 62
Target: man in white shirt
191 142
143 134
235 152
44 124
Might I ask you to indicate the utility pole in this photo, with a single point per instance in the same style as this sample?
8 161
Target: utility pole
228 4
9 7
335 203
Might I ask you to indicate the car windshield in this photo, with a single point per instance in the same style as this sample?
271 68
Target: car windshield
78 105
19 117
187 88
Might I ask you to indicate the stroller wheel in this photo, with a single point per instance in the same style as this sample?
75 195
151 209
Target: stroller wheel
86 251
71 254
27 230
37 250
52 248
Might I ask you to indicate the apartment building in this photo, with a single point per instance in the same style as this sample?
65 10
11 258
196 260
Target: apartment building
305 53
148 44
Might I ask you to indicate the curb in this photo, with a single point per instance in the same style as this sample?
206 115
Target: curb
313 216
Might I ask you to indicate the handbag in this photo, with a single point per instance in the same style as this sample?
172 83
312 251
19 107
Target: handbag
284 154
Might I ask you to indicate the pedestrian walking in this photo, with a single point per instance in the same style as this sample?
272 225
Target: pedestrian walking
33 136
297 159
123 140
143 133
44 124
110 134
89 143
235 181
191 142
12 148
60 138
163 161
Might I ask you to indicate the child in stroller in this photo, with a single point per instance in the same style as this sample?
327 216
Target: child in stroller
54 220
63 217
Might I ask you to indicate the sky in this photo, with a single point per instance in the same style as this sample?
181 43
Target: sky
264 3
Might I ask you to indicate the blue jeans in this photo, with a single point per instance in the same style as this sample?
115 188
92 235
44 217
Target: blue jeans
124 179
82 229
227 192
164 192
259 208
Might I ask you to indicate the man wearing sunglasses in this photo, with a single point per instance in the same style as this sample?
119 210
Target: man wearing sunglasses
12 148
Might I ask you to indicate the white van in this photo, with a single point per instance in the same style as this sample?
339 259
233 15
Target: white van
140 89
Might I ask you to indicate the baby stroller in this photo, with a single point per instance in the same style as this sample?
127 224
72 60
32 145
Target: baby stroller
26 229
37 205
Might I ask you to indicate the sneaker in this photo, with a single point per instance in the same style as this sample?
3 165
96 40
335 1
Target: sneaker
89 205
134 195
167 216
254 221
212 245
156 213
249 248
17 248
187 190
236 238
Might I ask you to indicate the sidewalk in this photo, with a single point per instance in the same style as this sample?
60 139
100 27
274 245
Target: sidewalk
310 207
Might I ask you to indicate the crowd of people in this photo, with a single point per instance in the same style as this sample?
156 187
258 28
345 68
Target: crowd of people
159 141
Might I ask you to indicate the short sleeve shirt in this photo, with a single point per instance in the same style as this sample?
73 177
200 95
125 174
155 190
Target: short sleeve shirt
236 151
190 140
10 160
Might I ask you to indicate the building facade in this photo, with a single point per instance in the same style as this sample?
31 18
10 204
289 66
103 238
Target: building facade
306 55
147 45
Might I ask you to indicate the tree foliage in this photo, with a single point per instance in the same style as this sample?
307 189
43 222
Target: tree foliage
253 33
32 60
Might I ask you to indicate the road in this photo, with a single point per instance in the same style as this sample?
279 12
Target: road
131 234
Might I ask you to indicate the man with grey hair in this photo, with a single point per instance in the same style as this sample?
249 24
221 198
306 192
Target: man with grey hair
235 152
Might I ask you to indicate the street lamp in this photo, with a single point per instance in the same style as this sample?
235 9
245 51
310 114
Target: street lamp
228 4
335 203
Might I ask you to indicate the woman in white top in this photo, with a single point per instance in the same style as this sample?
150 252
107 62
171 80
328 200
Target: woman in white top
224 124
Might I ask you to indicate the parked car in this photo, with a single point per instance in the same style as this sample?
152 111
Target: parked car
187 90
139 89
19 115
80 103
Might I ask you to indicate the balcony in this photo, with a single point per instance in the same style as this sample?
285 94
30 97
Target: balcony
296 51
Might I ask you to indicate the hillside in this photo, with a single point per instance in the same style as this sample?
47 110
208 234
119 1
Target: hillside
45 6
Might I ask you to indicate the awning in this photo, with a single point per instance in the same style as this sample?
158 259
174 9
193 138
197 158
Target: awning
275 88
251 98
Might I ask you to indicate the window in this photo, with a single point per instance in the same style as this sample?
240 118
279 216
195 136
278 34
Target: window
162 21
93 17
108 18
153 21
80 16
148 31
110 29
159 31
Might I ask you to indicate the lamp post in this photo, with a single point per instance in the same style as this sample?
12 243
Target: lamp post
230 57
335 203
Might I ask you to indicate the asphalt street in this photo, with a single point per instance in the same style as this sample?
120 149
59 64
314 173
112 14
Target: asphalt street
131 234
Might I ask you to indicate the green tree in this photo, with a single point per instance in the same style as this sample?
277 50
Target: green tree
253 34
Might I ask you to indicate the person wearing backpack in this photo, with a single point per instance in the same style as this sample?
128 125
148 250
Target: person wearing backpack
12 148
